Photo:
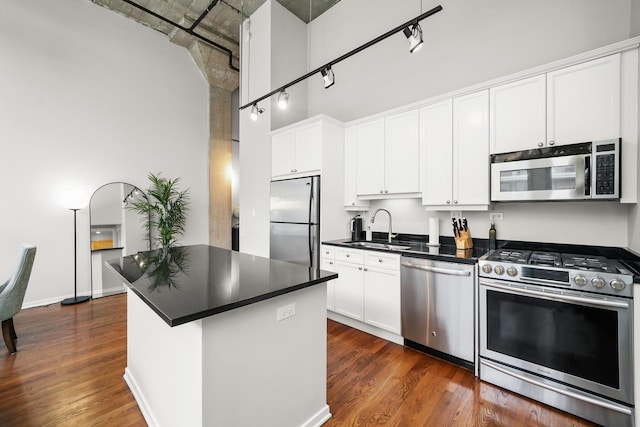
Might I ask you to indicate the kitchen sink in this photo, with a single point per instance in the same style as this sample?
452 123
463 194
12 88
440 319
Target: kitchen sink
375 245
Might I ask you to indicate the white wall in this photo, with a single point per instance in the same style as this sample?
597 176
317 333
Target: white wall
467 43
89 97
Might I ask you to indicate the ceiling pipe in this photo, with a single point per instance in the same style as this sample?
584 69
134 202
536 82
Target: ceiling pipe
202 16
189 30
347 55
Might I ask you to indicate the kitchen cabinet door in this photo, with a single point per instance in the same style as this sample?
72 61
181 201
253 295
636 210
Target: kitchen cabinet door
518 115
382 292
402 153
436 135
351 200
471 149
283 153
349 290
583 102
328 265
307 149
370 161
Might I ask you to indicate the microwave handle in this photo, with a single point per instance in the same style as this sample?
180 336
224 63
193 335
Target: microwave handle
587 176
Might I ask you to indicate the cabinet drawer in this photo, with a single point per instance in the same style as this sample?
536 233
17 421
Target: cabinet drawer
382 260
327 252
349 255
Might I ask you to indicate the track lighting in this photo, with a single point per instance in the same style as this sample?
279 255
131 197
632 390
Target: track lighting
328 76
411 30
414 34
283 100
255 112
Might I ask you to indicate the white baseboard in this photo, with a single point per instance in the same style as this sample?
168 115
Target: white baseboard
142 403
96 294
319 418
109 292
365 327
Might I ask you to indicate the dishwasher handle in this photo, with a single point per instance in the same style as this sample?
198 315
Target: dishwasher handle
436 269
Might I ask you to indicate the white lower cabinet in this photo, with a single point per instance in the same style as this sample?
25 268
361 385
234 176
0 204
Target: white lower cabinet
368 287
327 263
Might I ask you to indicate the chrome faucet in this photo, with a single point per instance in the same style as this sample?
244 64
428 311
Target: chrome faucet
373 217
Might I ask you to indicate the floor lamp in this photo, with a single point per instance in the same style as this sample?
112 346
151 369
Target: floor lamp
72 203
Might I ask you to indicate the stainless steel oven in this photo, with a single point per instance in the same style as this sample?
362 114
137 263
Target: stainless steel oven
582 171
559 332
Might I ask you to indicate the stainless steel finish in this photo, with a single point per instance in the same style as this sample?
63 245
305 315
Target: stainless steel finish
567 172
617 284
373 217
598 282
596 302
295 221
624 314
519 180
577 402
374 245
540 144
438 305
437 270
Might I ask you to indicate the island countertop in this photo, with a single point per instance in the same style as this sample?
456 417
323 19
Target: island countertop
198 281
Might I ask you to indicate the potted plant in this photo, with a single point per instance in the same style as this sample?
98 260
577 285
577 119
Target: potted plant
164 211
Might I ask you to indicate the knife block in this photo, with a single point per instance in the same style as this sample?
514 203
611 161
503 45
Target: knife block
464 241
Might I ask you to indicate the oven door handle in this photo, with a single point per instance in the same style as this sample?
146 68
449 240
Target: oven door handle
436 269
568 393
568 298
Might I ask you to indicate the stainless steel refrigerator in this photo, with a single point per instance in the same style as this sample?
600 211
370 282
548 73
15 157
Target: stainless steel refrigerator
295 220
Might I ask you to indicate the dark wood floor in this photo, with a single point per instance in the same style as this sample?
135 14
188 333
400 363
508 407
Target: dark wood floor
70 361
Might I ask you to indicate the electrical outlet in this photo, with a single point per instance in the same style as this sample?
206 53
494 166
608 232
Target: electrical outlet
456 214
286 311
496 215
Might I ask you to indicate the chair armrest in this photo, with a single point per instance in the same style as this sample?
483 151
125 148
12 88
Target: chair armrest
4 285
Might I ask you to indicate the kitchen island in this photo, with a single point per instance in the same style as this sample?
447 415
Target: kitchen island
218 337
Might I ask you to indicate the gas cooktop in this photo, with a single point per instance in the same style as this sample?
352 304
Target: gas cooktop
589 273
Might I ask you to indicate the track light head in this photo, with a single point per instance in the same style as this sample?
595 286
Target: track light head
283 100
414 34
255 112
328 76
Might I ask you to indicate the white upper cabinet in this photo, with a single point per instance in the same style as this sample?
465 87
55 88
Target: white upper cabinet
351 200
370 160
471 150
388 156
579 103
518 115
296 151
455 136
583 102
402 153
436 135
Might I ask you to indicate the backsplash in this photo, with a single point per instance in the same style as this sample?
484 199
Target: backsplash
586 223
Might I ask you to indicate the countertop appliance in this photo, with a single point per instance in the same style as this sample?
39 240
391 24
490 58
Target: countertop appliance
585 171
437 306
558 328
295 221
355 226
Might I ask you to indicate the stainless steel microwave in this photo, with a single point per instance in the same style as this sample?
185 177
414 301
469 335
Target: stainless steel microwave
585 171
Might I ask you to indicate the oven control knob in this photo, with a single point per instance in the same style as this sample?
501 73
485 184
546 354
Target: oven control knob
617 284
580 280
598 282
512 271
499 270
487 268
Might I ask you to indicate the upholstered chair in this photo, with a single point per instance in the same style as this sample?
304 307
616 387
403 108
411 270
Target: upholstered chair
12 294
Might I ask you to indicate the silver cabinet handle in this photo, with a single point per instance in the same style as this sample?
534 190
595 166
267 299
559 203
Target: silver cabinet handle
366 269
455 202
381 191
552 142
353 203
379 259
348 255
386 191
448 201
359 268
436 269
540 144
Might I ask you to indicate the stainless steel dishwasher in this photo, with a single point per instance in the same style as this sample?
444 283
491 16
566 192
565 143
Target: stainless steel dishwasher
438 309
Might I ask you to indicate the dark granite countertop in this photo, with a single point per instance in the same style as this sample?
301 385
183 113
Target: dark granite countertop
420 248
199 281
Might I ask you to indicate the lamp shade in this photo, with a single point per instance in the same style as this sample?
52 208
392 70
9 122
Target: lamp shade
74 199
